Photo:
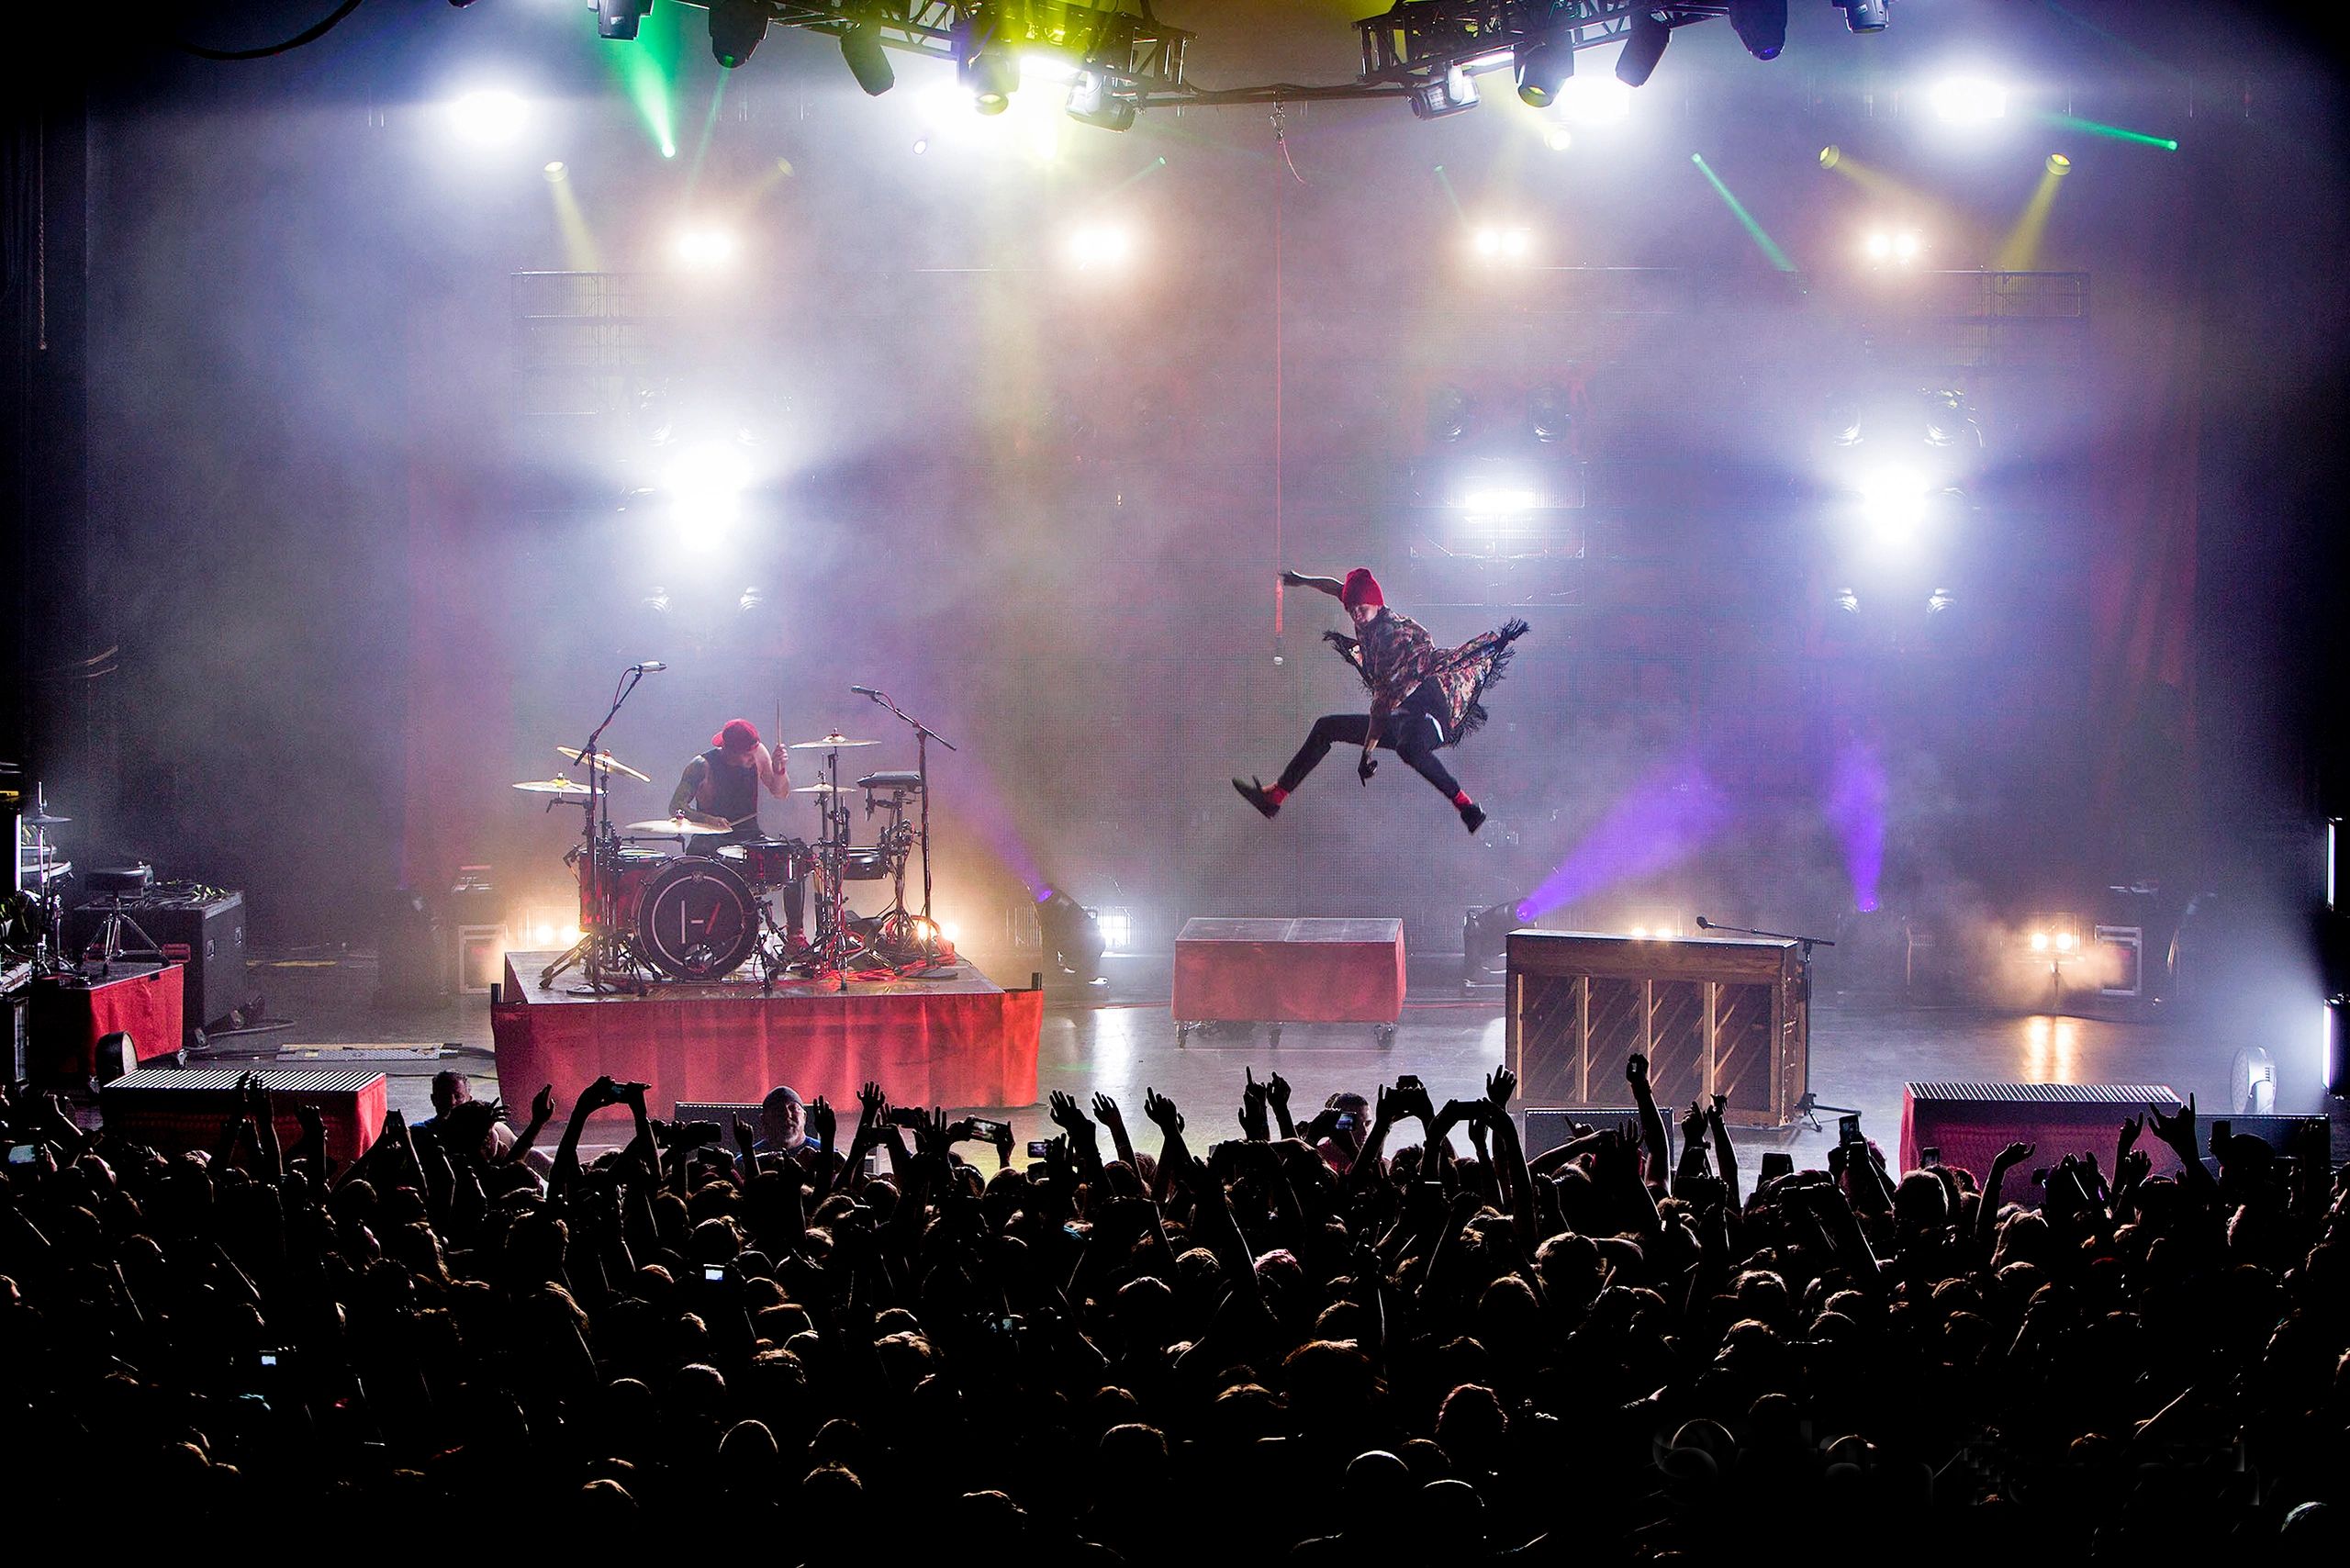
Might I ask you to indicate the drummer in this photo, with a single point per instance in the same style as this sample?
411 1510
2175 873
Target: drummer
724 783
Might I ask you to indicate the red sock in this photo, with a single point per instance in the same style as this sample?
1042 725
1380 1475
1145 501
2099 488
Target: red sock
1277 794
1461 799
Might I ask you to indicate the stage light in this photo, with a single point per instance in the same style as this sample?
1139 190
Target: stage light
1540 66
1449 410
1099 246
1893 247
1489 505
706 484
2111 132
1550 412
1093 102
1865 16
1072 935
2066 941
735 29
702 249
619 18
922 145
1968 100
1558 138
2040 941
1848 601
1504 245
861 49
1830 155
2058 165
986 70
1644 43
1950 419
1594 100
1939 601
1892 500
555 173
1447 94
544 932
1117 928
488 117
1761 26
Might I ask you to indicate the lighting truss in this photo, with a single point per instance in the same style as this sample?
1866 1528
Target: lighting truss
1417 42
1119 39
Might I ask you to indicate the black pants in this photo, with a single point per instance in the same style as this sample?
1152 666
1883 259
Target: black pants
1411 732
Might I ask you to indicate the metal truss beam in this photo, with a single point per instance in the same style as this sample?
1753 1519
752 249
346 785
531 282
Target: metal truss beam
1120 39
1418 41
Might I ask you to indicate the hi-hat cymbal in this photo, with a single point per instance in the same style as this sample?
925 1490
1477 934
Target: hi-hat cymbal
676 827
823 790
834 742
554 787
607 761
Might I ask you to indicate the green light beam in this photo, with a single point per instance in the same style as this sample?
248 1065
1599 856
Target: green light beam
1450 194
709 126
646 69
1754 231
1147 169
2111 132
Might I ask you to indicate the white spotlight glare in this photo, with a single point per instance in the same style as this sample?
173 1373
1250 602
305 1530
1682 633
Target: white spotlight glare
1593 99
2066 941
1558 138
1892 502
1968 100
1879 246
2040 941
1100 247
489 116
705 485
1488 241
1906 246
704 250
1515 243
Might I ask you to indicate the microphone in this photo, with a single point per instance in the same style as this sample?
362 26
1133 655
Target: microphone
1704 924
649 666
865 691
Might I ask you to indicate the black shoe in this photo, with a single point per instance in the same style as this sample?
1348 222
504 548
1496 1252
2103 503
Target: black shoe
1472 816
1254 792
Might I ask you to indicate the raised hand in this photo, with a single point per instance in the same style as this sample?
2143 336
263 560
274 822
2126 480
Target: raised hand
1277 1092
2014 1154
824 1122
2178 1131
1500 1086
1106 1112
1163 1113
542 1104
1253 1123
1692 1126
746 1136
1063 1109
1714 1112
2131 1126
1636 1071
1410 1098
872 1105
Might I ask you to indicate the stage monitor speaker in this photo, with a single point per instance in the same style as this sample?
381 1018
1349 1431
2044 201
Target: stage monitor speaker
1970 1122
172 1110
206 937
722 1112
2285 1135
1549 1127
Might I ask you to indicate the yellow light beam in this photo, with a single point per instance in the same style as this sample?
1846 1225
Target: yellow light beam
2021 250
579 243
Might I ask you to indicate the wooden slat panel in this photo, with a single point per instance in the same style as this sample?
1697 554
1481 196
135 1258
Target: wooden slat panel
1677 1041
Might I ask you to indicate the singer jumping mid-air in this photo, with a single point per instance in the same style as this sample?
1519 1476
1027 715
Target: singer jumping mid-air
1423 698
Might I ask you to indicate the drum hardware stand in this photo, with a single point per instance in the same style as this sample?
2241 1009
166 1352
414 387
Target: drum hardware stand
599 947
924 736
110 943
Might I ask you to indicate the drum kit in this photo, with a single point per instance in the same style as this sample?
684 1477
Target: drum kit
700 908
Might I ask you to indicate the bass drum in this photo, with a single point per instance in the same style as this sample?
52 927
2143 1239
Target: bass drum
697 921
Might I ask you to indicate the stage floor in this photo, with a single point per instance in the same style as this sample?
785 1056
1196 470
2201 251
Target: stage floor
1120 1038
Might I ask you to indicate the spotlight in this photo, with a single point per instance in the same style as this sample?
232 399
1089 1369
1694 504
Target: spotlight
1073 936
1550 413
1491 505
1864 16
1880 246
1093 101
861 48
1495 244
704 250
1906 246
1594 100
1968 100
1900 246
1644 44
1848 601
1117 928
1097 247
706 484
1558 138
619 18
1939 601
2040 941
735 29
490 118
1761 25
1446 94
1449 410
1950 419
2066 941
989 71
1830 155
555 173
1540 66
2058 165
1893 500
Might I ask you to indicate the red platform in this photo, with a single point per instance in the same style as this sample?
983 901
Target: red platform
175 1109
1969 1123
962 1041
1295 971
69 1017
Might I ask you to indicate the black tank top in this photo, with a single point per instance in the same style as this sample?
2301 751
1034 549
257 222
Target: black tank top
729 791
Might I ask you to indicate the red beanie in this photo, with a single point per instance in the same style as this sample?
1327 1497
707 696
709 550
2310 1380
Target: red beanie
1362 588
740 734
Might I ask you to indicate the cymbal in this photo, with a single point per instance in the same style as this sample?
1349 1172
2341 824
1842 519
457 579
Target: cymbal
42 819
835 742
607 761
824 789
676 827
554 787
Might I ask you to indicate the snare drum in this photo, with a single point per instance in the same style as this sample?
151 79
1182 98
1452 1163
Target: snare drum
766 862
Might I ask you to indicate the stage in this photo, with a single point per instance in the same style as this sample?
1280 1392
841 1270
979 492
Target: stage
959 1039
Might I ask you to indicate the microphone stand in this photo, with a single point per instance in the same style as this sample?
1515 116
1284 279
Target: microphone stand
599 826
924 736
